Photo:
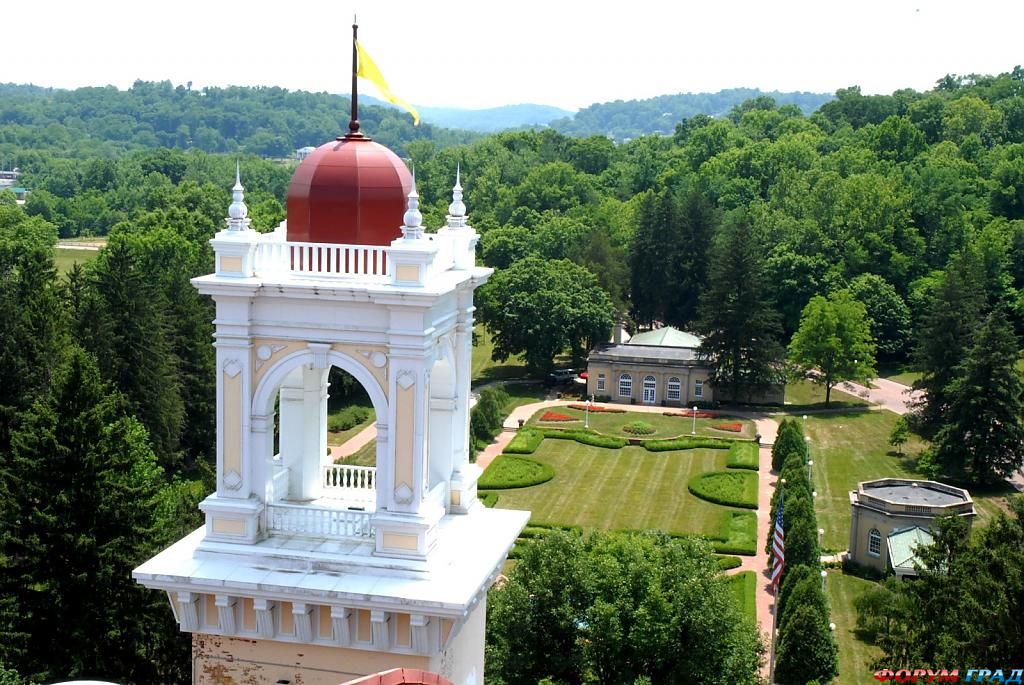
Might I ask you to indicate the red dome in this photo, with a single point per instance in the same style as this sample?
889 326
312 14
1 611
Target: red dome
352 191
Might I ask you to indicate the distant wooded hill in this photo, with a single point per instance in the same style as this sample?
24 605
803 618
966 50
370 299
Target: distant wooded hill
622 120
487 120
265 121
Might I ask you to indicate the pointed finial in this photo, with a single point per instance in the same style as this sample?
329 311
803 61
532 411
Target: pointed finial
457 209
413 227
237 211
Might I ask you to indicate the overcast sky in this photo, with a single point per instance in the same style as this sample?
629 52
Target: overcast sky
481 53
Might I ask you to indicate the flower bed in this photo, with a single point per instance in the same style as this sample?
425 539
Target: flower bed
596 408
735 427
556 416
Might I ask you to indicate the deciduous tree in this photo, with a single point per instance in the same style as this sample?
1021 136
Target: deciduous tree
833 343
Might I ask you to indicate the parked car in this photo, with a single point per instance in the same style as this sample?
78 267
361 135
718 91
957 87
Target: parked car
561 377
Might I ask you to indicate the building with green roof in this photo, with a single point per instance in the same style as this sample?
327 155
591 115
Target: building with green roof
662 367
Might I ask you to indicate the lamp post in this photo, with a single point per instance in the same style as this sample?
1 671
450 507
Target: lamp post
694 430
586 413
810 463
823 575
821 531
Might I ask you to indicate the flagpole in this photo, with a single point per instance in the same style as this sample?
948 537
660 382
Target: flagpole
353 124
775 620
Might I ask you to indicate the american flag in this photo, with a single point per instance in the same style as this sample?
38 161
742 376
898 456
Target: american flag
778 547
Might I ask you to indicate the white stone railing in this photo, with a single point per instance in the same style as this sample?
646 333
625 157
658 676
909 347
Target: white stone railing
319 521
321 259
357 484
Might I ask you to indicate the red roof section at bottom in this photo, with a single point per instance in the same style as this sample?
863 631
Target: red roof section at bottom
397 676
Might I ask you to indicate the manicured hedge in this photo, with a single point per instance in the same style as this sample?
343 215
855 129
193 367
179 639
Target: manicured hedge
509 471
488 499
728 561
349 417
729 488
638 428
586 438
738 534
687 443
743 455
526 441
744 586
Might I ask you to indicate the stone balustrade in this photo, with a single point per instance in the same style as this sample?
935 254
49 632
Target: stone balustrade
317 521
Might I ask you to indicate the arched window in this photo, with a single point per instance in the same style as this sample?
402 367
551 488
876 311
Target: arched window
674 388
650 389
625 385
874 542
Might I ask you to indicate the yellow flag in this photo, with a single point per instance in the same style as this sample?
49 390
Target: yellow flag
369 71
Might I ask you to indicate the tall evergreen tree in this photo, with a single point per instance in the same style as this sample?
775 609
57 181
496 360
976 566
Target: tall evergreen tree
32 329
954 313
686 259
983 437
807 651
134 344
654 243
82 479
739 324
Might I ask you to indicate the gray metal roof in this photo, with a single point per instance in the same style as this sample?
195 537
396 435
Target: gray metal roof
917 495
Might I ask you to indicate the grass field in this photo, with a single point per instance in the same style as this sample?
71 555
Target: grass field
65 259
629 488
849 447
807 395
904 377
486 369
855 657
611 423
743 586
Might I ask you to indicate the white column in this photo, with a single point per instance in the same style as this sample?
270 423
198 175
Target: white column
304 430
464 474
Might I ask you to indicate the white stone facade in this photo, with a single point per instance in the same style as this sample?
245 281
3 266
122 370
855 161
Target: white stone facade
396 559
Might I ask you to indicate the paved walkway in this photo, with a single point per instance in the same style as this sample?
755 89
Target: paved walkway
890 395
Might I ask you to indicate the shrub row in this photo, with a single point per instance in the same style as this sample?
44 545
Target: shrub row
349 417
597 409
687 443
586 438
488 499
728 561
510 471
526 441
743 455
729 488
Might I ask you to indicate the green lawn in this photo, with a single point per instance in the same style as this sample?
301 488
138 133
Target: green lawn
65 259
904 377
807 395
522 393
629 488
665 426
366 456
855 657
744 587
486 369
849 447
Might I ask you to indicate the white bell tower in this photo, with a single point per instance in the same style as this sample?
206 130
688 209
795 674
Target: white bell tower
314 572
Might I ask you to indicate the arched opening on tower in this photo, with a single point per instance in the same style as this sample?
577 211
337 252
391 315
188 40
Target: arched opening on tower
351 434
319 481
